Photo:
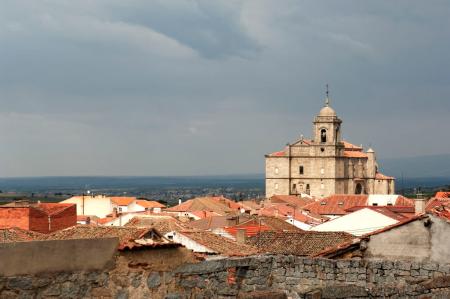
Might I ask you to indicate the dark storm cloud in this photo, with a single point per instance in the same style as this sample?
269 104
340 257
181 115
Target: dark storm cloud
198 87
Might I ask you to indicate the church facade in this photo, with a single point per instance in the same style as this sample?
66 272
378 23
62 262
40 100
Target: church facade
325 165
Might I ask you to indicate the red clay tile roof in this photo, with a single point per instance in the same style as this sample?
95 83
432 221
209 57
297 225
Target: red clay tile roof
214 222
442 194
219 204
129 237
398 213
291 200
349 146
437 202
278 154
354 154
15 234
149 204
251 229
47 208
336 204
163 224
122 200
380 176
220 245
301 243
53 208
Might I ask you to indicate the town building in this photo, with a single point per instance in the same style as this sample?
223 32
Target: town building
38 217
325 165
101 205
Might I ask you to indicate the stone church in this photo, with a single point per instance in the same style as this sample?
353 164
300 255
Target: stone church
325 165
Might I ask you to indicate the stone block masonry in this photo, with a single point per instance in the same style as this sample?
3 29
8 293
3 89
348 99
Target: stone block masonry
250 277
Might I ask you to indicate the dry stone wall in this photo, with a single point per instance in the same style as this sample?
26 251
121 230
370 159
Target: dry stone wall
251 277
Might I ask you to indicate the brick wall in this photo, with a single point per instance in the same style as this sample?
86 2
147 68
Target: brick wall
14 217
38 221
64 219
43 223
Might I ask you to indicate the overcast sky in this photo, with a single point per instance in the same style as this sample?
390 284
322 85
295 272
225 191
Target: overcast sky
114 87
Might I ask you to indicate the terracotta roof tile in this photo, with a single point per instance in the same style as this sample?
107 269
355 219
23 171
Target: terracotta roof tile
291 200
163 224
442 194
129 237
220 245
15 234
349 146
149 204
301 243
354 154
220 205
380 176
336 204
122 200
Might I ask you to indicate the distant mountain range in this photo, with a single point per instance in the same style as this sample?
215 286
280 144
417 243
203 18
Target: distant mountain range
424 171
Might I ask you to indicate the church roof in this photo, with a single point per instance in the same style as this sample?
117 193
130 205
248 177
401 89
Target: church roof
354 154
327 111
380 176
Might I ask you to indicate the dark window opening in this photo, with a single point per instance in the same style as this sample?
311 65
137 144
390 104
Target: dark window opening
358 189
322 149
374 204
300 169
323 135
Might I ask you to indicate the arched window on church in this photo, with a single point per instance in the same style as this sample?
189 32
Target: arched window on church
323 135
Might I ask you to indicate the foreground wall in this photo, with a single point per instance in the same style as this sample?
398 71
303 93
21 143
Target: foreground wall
56 255
253 277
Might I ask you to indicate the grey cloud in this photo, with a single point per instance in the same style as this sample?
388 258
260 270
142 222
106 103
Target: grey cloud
203 87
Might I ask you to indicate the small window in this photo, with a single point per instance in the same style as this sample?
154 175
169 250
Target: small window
294 186
389 204
301 170
323 135
322 149
276 170
341 203
307 186
322 171
374 204
323 203
276 186
322 186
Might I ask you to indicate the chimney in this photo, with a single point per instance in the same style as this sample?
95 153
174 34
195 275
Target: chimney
114 213
241 235
419 205
88 220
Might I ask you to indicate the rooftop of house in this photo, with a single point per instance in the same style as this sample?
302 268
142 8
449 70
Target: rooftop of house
47 208
217 204
214 222
122 200
442 194
300 243
291 200
150 204
15 234
398 213
129 237
259 224
220 245
162 223
338 204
